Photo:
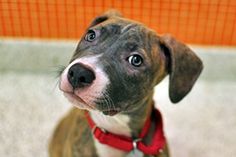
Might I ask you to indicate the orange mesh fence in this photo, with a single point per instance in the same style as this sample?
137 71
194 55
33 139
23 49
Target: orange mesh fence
192 21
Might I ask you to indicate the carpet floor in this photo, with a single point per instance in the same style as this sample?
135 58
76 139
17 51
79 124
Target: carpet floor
202 125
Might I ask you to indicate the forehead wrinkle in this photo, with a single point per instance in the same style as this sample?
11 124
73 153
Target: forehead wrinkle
127 27
132 34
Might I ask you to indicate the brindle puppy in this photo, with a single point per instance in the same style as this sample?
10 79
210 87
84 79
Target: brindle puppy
112 74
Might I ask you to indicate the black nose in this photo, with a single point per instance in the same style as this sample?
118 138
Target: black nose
79 76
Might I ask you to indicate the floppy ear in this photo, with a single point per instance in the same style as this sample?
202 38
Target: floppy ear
108 14
183 65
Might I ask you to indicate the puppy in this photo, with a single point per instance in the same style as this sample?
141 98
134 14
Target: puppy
110 80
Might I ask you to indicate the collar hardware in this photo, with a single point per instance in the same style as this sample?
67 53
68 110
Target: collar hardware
135 142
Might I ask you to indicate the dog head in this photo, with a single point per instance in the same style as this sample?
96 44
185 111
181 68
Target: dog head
118 62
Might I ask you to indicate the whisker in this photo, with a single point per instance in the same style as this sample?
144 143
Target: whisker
107 102
88 103
57 73
104 99
59 70
111 103
56 84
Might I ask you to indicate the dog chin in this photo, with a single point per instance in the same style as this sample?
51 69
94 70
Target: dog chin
111 112
77 101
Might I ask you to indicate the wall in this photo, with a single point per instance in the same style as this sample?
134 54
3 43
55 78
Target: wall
196 21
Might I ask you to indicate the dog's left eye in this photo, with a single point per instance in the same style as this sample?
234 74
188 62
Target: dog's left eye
90 36
135 60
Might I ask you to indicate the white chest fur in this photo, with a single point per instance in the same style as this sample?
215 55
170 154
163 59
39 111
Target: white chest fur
117 124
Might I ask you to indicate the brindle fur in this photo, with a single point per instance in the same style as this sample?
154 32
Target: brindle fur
163 55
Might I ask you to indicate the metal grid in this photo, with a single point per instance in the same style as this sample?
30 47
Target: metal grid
192 21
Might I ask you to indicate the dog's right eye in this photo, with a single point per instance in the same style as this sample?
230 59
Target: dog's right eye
90 36
135 60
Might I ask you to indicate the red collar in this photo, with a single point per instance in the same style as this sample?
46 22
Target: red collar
128 144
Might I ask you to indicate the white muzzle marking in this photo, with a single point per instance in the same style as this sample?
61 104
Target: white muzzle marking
87 94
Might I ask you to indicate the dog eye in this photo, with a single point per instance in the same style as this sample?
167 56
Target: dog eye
90 36
135 60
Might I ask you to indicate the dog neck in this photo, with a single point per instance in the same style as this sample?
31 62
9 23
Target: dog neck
127 124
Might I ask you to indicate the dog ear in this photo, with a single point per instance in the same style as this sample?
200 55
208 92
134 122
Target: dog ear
108 14
113 13
184 67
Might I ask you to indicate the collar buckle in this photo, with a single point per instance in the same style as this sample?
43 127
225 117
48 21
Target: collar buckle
135 142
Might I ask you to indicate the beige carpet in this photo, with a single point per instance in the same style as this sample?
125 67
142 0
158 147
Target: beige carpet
202 125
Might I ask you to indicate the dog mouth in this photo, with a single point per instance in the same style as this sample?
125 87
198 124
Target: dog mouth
78 101
82 104
111 112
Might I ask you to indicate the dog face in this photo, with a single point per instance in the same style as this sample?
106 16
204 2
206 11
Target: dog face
118 62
